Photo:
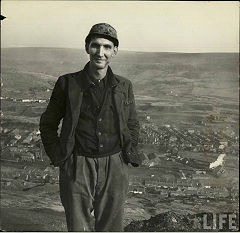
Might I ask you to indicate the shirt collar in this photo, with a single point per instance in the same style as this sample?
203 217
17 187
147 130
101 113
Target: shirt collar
87 81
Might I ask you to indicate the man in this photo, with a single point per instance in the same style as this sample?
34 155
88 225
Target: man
98 138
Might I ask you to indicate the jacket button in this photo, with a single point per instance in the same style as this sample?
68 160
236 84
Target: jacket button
101 145
100 119
99 133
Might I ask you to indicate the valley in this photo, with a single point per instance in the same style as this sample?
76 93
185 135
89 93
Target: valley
187 105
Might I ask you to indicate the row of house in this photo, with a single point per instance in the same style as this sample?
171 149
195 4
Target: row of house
171 139
24 100
22 145
199 192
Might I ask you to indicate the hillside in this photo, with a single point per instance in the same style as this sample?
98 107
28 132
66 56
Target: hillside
190 86
189 115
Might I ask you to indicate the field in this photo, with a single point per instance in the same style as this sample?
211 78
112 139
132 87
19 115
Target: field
188 109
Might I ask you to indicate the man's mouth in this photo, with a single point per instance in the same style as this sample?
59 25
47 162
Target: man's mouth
99 59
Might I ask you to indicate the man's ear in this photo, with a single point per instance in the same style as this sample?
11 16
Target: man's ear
115 49
87 48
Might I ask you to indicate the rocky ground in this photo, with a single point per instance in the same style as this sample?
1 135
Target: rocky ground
171 221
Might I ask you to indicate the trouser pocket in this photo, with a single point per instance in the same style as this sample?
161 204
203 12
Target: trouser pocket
124 166
68 167
123 158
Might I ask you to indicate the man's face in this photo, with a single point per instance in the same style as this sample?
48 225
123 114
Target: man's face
101 51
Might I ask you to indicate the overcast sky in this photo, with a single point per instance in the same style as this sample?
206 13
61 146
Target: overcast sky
141 26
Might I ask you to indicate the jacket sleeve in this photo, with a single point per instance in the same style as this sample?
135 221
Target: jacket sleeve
50 120
134 127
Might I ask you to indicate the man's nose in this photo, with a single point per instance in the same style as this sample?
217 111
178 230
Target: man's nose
100 51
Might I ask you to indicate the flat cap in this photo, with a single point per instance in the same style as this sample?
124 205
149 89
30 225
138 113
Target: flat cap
104 30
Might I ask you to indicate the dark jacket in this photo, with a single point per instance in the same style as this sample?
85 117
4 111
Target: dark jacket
65 103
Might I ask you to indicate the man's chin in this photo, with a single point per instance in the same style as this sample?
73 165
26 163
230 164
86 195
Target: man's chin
99 65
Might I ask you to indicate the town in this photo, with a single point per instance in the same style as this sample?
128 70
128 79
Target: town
189 176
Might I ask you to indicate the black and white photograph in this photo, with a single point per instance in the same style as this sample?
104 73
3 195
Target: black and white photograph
119 116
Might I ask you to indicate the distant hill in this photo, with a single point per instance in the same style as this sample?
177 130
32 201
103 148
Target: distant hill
51 61
183 86
147 70
56 61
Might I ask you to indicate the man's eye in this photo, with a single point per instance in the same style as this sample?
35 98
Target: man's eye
94 46
107 47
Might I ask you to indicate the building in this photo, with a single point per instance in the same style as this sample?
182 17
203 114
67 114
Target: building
137 189
28 157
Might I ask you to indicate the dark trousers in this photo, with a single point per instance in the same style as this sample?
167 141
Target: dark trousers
94 186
